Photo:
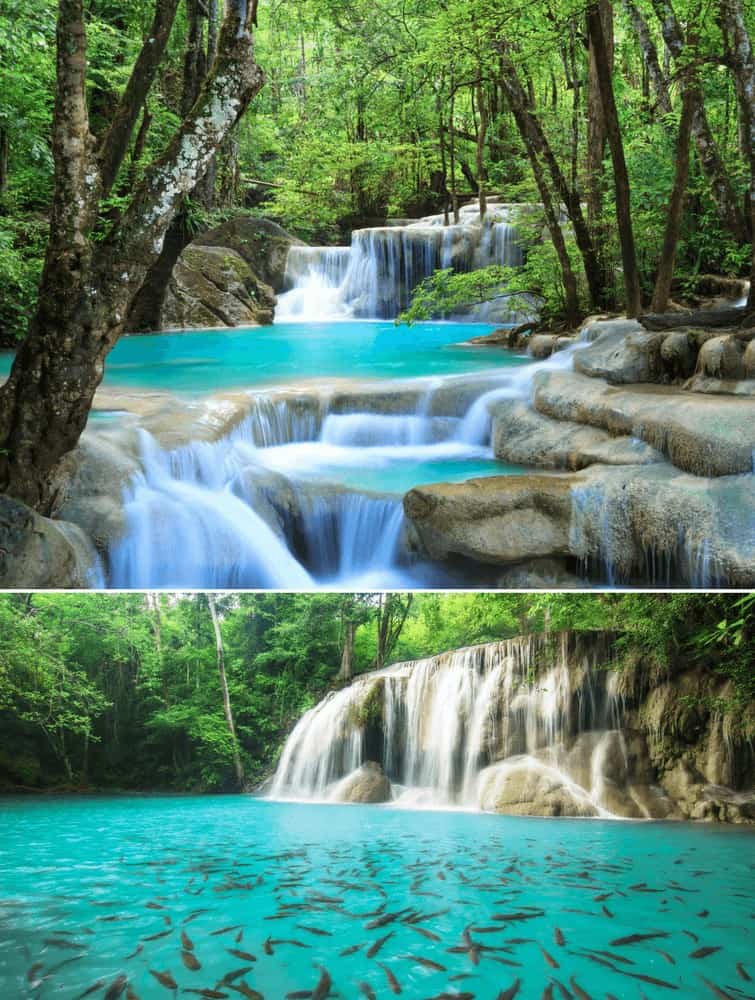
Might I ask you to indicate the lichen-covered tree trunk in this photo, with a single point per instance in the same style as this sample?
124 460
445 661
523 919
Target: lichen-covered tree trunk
227 710
87 287
742 61
596 147
632 292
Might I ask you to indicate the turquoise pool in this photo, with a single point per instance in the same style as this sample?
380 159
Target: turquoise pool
201 362
464 904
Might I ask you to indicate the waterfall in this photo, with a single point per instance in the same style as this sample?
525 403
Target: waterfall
374 277
470 728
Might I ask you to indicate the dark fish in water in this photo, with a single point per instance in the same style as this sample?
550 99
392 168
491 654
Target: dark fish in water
350 950
664 954
635 938
267 946
299 995
224 930
64 943
297 944
565 994
607 912
323 985
239 936
229 977
691 935
427 962
609 954
130 995
186 941
377 945
704 952
116 988
517 916
742 973
453 996
314 930
386 918
434 937
511 992
32 973
191 961
558 936
578 990
164 979
246 990
160 934
393 983
717 991
210 994
194 914
547 993
549 958
366 990
95 986
154 906
245 956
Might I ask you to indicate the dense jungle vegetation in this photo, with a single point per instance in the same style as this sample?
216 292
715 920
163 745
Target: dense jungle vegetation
139 691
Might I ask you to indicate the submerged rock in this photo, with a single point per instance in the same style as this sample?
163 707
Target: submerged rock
367 784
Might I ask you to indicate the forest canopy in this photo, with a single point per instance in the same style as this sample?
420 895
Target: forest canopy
124 691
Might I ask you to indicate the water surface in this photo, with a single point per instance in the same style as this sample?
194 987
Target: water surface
84 882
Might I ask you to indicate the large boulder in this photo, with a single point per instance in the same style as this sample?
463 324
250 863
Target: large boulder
704 435
214 286
524 786
367 784
37 552
632 520
623 352
523 436
263 245
722 358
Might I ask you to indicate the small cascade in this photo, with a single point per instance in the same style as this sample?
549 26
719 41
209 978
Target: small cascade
506 722
375 276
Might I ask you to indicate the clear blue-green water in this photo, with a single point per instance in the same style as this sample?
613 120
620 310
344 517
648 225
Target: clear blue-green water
207 361
88 885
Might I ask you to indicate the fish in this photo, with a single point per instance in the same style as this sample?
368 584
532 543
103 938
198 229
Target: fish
717 991
64 943
205 992
742 973
130 995
299 995
386 918
664 954
549 958
517 916
377 945
224 930
511 992
558 936
607 912
547 993
393 983
435 937
366 990
160 934
191 962
95 986
704 952
314 930
427 962
154 906
186 941
164 979
32 973
116 988
635 938
324 983
194 914
246 990
350 950
245 956
578 990
267 946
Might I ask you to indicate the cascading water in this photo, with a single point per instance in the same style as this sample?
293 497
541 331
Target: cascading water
474 728
374 277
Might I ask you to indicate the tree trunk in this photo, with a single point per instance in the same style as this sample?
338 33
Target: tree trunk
482 132
650 57
238 766
665 274
538 148
87 287
346 670
742 62
632 292
452 155
729 212
4 152
596 143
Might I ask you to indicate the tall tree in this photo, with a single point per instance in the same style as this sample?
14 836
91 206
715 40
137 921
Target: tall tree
227 710
94 266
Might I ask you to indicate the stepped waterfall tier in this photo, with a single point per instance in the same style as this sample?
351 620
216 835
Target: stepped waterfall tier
539 725
375 276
